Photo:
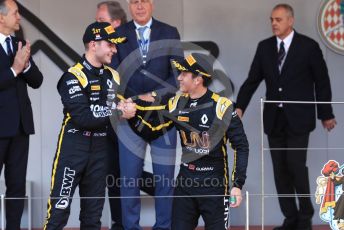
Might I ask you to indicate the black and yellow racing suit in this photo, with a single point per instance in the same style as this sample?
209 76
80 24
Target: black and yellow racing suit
205 125
80 159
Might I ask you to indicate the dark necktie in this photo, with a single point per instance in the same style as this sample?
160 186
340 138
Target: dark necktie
9 49
281 55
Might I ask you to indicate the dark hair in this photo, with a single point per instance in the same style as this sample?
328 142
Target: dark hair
285 6
206 80
3 7
116 12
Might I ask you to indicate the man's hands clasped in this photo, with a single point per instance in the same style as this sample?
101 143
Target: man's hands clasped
22 57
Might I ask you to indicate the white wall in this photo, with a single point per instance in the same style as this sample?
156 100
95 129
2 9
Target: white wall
236 26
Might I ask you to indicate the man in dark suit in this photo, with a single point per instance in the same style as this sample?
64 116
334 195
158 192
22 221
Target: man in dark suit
17 70
145 67
293 68
113 13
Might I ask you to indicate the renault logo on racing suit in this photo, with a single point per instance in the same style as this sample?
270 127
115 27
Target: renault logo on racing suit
109 83
204 119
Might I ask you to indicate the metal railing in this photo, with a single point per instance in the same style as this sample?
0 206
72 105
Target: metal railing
263 149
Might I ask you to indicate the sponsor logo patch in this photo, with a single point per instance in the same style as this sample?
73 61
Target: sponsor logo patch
67 184
72 82
190 60
74 89
95 87
109 30
183 119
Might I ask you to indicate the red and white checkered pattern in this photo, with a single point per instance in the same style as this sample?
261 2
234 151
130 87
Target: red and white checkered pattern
332 24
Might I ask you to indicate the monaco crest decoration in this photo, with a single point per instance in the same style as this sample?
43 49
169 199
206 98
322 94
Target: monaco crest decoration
331 24
329 194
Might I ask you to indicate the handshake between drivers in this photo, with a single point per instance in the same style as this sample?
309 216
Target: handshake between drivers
128 108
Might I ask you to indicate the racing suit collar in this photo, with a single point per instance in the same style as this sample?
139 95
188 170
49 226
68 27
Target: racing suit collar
206 95
91 68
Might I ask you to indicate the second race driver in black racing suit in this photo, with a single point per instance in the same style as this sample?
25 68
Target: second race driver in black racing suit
87 90
205 122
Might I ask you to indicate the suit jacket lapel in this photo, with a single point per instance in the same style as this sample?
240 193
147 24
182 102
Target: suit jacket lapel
4 54
15 44
155 31
132 38
274 54
154 36
132 35
291 53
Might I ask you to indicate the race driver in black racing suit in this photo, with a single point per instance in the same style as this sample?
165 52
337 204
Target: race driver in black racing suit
205 122
88 92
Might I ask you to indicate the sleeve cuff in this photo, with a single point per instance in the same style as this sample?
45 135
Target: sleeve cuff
14 72
28 68
238 183
237 186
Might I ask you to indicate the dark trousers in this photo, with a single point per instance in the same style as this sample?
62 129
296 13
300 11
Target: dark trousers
187 210
79 161
290 171
14 153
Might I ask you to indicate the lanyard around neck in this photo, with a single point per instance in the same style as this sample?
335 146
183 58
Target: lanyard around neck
144 43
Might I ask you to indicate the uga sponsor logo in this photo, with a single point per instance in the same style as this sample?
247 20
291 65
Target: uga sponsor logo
329 194
67 184
331 24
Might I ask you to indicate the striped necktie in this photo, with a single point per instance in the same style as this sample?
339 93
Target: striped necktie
9 48
280 56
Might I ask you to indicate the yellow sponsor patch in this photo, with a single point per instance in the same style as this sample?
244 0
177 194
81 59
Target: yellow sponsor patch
183 119
190 59
95 87
95 31
117 40
109 30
